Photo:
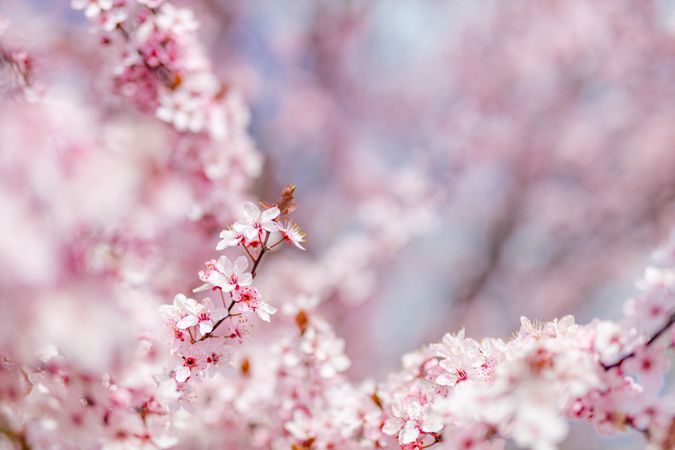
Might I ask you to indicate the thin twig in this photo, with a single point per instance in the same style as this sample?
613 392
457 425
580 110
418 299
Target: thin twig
663 329
263 250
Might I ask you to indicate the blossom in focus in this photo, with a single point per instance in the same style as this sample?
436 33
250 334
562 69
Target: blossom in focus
203 314
225 274
410 421
255 221
291 233
247 298
231 237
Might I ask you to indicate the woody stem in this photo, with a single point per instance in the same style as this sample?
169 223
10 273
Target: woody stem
655 336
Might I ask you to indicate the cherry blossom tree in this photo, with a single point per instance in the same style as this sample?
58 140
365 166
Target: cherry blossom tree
510 158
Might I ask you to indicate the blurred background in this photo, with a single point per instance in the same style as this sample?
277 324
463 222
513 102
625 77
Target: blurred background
458 163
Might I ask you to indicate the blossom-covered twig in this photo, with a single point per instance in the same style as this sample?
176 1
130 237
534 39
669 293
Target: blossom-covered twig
666 326
162 69
203 321
288 388
19 65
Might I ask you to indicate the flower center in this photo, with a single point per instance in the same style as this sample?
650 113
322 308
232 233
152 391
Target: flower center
190 362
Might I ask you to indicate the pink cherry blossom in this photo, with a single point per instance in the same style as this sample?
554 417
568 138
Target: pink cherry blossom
226 275
291 233
473 438
183 110
649 364
175 20
231 237
203 314
610 341
256 222
151 3
459 359
515 161
410 421
92 8
184 370
247 298
112 18
651 310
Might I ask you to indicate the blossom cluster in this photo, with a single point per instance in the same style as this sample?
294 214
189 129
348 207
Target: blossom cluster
457 394
477 394
17 64
201 333
163 70
87 360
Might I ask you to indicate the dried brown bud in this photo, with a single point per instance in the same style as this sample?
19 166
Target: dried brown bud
175 81
245 366
286 203
305 445
302 320
376 398
540 360
491 432
222 91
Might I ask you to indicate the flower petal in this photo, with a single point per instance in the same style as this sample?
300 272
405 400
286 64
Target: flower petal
202 288
251 211
245 279
240 265
169 312
224 265
262 314
392 426
270 214
182 373
408 434
205 327
218 279
187 321
270 226
432 424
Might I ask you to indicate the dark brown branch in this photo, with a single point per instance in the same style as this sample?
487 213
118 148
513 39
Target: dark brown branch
659 332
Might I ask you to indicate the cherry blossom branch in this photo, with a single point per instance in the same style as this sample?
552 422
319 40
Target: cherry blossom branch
217 324
644 432
161 41
260 255
19 63
232 303
655 336
194 321
248 252
165 75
